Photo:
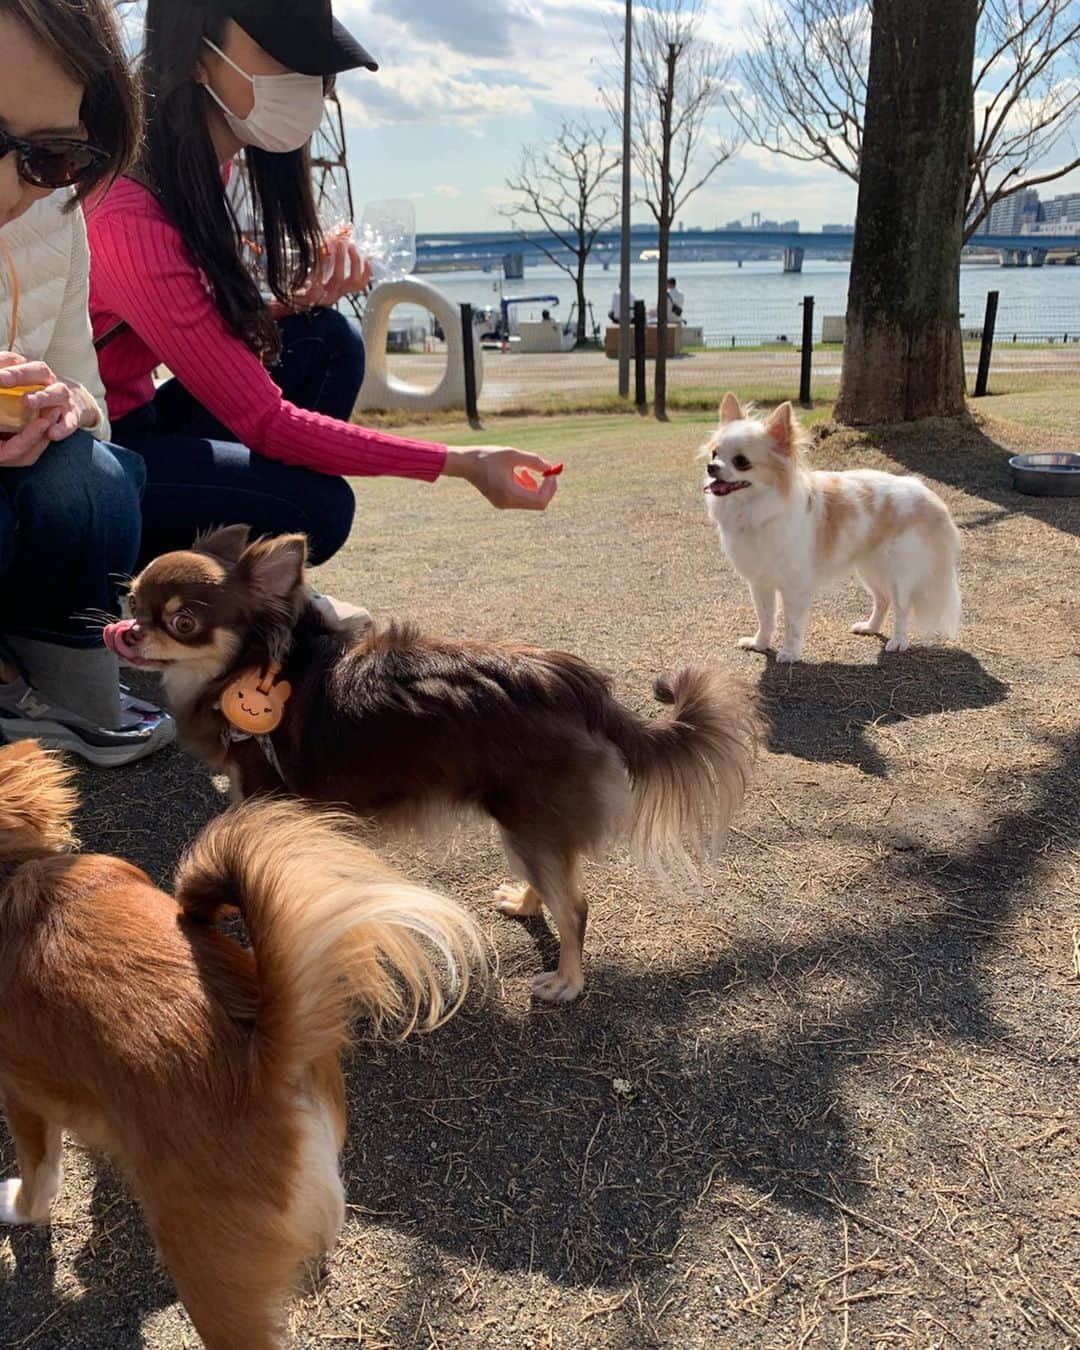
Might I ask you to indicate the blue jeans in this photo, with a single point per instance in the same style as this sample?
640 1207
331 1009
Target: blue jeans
199 475
69 532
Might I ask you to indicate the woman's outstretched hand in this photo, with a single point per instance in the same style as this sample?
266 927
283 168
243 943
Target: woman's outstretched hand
492 470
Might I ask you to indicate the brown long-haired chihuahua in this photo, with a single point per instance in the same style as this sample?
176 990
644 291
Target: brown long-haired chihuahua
207 1071
401 727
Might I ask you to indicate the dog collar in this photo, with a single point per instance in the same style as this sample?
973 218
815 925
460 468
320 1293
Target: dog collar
254 702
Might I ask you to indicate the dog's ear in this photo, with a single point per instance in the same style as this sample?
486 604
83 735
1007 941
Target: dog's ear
730 410
274 568
226 543
781 427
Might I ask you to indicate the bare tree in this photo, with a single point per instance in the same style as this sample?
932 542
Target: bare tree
804 91
1027 96
564 188
804 82
678 80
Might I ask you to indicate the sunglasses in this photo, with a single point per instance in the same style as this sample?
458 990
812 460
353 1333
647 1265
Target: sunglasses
52 162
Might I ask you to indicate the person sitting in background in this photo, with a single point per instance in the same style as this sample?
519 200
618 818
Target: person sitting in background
614 314
676 299
69 502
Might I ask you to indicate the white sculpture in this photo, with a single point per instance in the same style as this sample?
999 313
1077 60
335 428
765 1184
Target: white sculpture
385 392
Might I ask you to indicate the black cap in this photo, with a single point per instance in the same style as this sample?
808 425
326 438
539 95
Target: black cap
301 34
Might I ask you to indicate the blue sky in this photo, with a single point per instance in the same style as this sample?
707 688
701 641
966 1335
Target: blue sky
464 84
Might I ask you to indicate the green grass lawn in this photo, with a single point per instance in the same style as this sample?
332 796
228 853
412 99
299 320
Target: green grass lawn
1049 406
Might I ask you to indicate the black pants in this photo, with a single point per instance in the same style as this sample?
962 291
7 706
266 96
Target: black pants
198 475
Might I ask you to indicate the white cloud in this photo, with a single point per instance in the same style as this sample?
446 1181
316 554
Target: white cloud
463 85
478 58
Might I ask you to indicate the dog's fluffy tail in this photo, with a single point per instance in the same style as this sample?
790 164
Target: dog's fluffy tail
935 604
689 770
37 801
332 928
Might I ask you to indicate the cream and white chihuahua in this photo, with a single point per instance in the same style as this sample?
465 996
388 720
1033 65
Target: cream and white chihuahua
790 531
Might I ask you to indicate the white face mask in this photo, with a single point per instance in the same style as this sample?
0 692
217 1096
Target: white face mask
287 113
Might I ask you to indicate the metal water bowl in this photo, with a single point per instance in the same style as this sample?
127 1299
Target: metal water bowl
1048 474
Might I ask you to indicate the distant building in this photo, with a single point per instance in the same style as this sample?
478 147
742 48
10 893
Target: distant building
1023 213
787 226
1054 227
756 223
838 229
1064 210
1012 214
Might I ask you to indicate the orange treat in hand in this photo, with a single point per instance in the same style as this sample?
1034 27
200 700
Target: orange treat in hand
13 416
524 478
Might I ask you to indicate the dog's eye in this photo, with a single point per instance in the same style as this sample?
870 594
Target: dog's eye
740 462
183 625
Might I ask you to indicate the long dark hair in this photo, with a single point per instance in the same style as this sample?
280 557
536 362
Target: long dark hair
83 37
179 165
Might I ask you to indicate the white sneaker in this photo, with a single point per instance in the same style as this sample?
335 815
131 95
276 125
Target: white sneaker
26 716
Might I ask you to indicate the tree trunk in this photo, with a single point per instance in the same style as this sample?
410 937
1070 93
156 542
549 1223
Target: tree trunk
665 222
903 357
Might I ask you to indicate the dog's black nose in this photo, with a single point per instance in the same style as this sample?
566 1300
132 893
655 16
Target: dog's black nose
714 470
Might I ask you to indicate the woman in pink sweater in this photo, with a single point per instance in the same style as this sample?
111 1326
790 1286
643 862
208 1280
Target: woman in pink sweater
254 425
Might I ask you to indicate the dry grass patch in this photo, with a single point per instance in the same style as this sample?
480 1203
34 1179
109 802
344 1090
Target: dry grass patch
826 1096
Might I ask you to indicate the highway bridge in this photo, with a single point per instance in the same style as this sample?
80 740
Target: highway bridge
446 250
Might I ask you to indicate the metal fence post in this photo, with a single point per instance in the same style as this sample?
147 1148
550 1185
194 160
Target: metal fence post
469 356
641 398
982 378
807 350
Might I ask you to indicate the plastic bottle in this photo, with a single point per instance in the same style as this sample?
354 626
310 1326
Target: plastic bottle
387 238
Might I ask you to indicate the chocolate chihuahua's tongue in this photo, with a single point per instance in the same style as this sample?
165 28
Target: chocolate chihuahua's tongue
117 640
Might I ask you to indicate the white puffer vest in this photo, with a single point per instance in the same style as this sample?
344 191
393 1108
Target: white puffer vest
52 262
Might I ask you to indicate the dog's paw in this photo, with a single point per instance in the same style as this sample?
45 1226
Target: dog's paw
866 629
9 1193
754 644
554 987
786 657
896 644
517 901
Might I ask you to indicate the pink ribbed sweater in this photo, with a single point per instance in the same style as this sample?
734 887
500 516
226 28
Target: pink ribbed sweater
141 274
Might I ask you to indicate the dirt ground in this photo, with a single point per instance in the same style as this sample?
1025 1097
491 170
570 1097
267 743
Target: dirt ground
825 1096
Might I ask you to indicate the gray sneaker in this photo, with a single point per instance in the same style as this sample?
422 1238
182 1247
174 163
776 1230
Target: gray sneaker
26 716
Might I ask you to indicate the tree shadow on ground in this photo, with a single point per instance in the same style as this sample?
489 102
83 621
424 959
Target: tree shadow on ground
122 1281
576 1142
821 713
958 452
149 812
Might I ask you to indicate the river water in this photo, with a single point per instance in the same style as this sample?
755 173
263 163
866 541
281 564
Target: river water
759 302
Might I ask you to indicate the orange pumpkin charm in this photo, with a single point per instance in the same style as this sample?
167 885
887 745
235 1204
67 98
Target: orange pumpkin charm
254 702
